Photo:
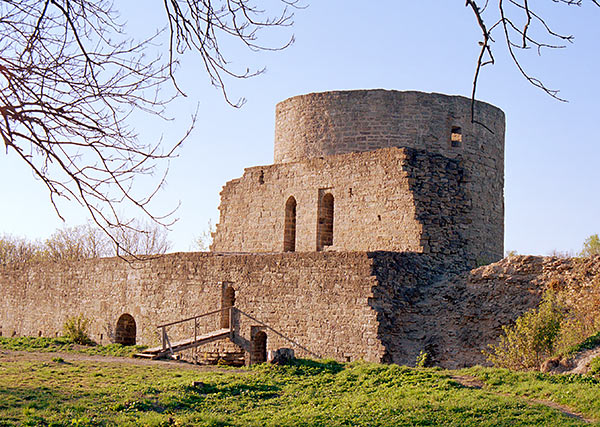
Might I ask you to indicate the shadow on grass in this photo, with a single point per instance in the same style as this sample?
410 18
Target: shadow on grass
315 367
303 367
27 397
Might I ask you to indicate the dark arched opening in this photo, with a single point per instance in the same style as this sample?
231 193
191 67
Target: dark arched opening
227 300
259 347
289 228
325 222
126 330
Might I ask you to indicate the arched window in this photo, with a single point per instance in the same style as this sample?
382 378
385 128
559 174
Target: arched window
325 222
126 330
259 348
228 300
289 227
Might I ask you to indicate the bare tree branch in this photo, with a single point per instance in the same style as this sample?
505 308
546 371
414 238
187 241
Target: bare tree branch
70 79
520 23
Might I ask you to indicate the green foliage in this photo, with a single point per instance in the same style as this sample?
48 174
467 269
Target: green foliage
595 367
591 246
307 393
65 345
531 339
423 360
76 329
588 344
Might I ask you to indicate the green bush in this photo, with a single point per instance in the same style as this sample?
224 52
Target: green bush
527 343
76 329
595 367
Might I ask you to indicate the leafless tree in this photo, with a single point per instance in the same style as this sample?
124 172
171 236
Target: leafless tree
145 238
205 239
76 243
70 78
19 250
523 27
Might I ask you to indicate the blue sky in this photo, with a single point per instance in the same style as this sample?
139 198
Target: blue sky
552 165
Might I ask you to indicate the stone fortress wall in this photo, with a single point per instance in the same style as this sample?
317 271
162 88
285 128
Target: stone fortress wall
335 143
376 306
321 301
378 204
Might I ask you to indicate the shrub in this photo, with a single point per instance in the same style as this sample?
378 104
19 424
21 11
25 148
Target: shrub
531 339
76 329
594 367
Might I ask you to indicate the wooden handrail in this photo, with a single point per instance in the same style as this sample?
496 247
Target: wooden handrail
276 332
193 317
166 341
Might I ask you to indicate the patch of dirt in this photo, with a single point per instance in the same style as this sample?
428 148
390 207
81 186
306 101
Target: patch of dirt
468 381
475 383
581 362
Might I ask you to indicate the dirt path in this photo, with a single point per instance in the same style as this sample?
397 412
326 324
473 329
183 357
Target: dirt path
582 361
473 382
27 356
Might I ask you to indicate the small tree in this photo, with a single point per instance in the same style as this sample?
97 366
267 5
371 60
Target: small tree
591 246
531 339
76 329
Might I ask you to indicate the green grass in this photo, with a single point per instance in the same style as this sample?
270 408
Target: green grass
588 344
309 393
62 344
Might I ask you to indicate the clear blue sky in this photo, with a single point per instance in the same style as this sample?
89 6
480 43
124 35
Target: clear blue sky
552 165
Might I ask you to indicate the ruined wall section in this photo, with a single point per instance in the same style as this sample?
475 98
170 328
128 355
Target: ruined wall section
454 318
319 300
391 199
323 124
373 205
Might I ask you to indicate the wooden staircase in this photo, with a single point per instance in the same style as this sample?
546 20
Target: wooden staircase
227 331
160 352
168 348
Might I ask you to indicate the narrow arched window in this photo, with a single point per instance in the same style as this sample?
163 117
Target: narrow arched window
325 222
289 227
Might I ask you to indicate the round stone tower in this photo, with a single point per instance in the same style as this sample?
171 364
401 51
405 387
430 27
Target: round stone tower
330 123
322 124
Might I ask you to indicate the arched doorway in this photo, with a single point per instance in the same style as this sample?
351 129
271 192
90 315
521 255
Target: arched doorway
227 300
325 222
259 347
289 228
126 330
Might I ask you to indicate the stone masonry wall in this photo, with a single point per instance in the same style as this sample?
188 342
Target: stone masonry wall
373 205
454 318
330 123
390 199
318 300
376 306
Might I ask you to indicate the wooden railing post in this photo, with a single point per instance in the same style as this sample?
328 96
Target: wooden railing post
231 322
195 328
164 338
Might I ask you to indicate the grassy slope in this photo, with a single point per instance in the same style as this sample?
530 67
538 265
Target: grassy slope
63 345
307 394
